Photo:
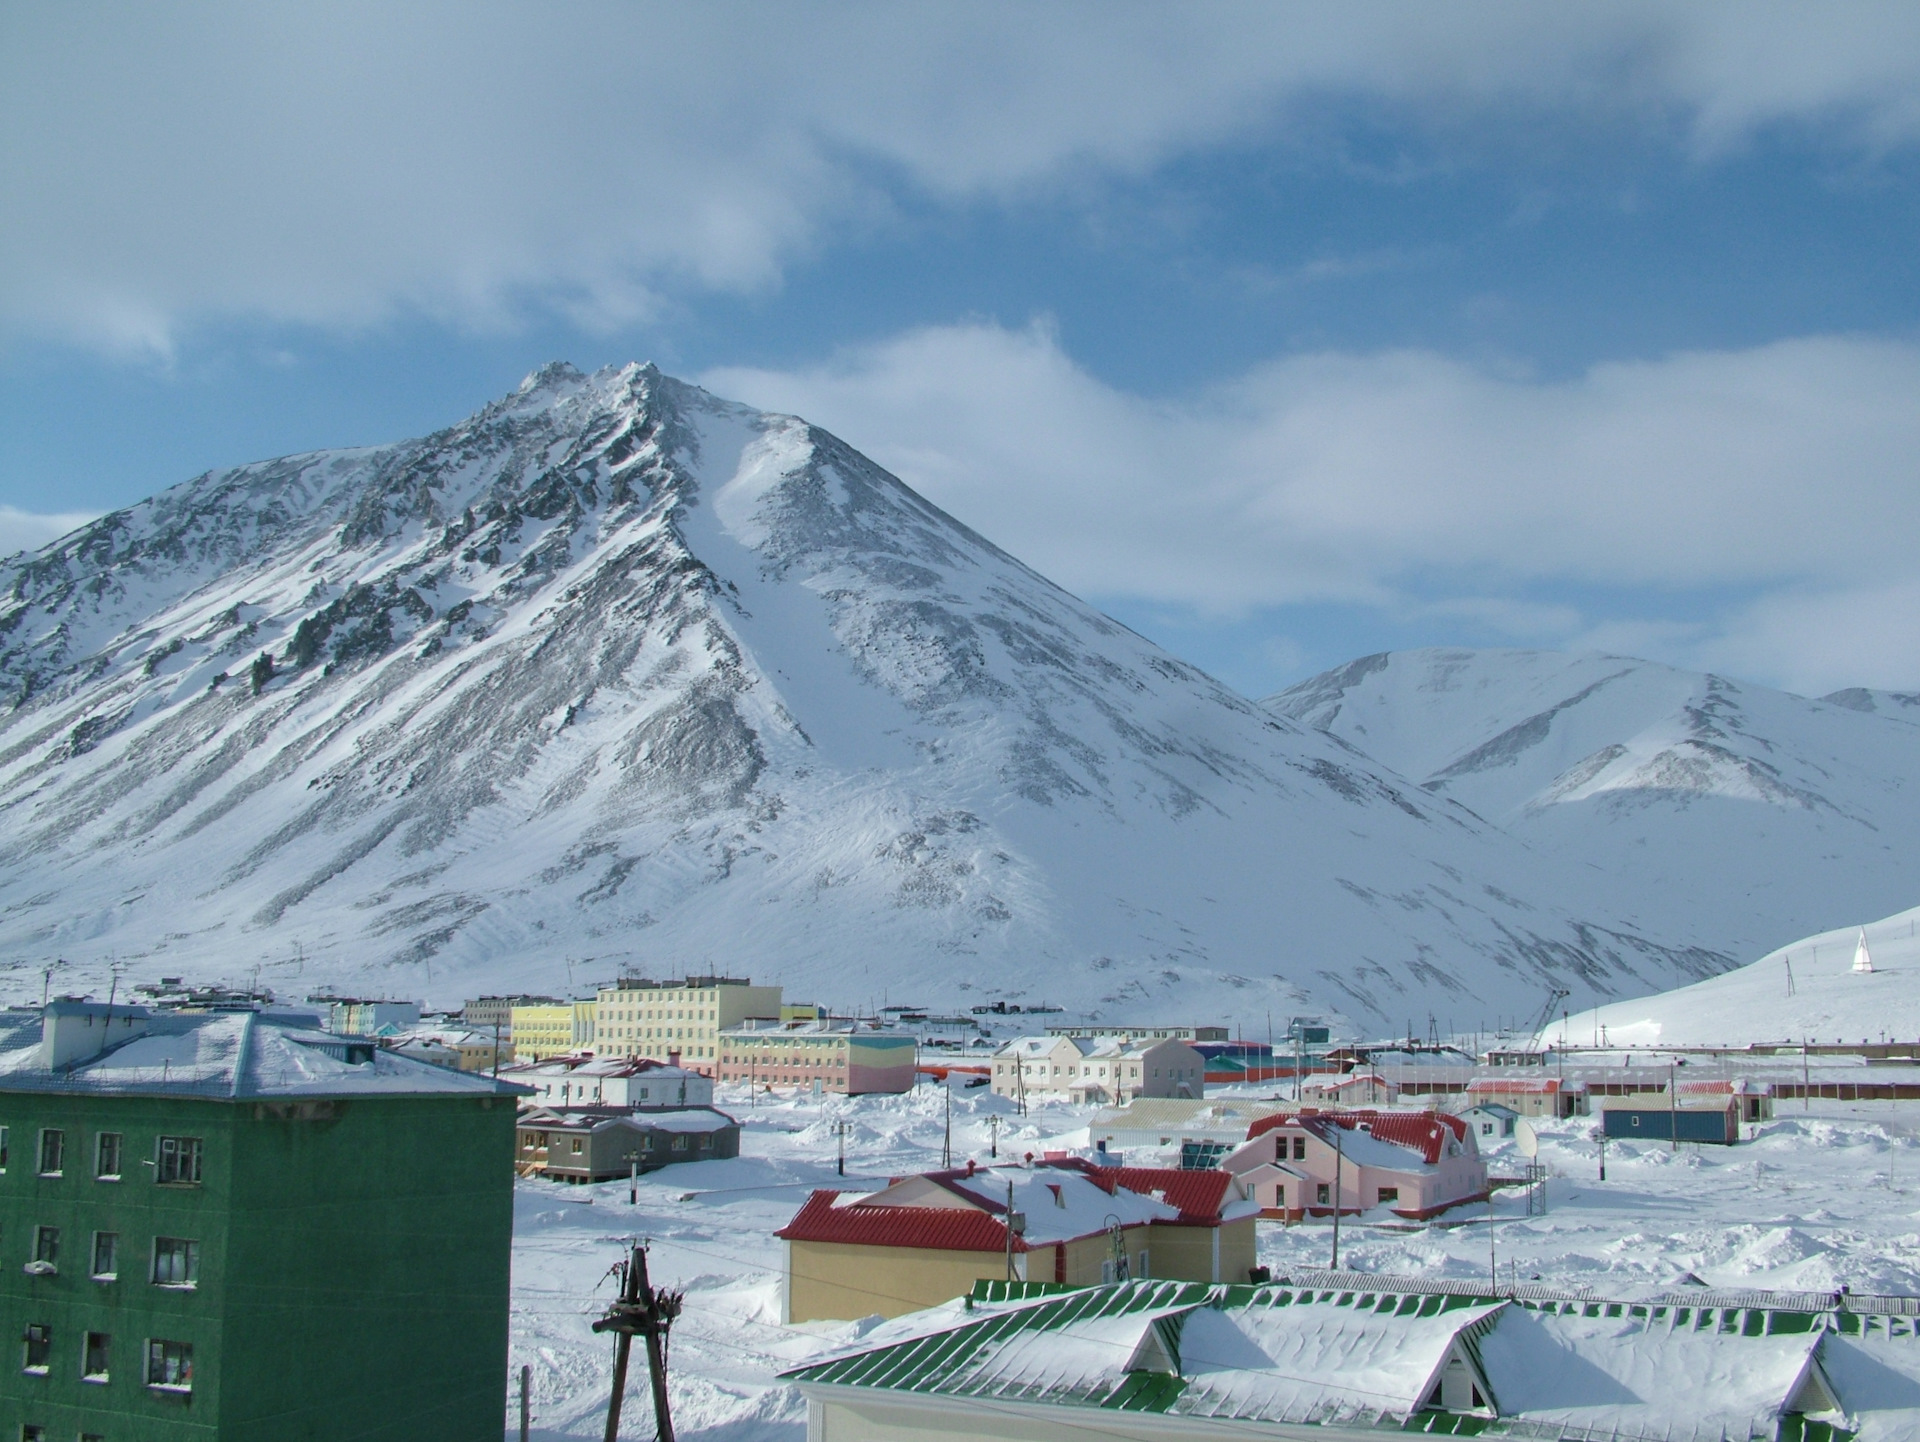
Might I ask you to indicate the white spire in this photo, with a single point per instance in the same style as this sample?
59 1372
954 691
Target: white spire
1862 958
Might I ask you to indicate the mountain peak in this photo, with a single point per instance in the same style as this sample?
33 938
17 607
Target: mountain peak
616 673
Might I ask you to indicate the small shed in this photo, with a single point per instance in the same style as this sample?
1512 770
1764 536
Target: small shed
1716 1125
1490 1122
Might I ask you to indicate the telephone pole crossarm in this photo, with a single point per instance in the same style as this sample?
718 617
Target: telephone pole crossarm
643 1312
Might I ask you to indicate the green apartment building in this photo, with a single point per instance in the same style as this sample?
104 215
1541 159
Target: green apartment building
230 1226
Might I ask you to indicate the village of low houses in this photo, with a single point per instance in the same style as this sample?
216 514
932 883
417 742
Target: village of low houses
1012 1224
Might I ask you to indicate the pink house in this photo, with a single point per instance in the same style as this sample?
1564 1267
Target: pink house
1417 1163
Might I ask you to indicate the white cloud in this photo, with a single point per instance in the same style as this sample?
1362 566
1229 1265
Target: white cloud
1789 472
30 530
336 164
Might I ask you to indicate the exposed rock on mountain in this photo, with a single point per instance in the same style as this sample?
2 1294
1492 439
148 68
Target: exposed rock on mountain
1722 814
615 672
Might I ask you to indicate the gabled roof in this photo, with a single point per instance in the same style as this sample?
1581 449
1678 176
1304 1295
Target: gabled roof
1205 1197
944 1229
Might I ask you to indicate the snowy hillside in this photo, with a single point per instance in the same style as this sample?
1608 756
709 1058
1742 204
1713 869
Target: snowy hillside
1806 991
1720 814
616 673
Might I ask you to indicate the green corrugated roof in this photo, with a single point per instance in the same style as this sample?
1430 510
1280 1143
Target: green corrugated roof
971 1359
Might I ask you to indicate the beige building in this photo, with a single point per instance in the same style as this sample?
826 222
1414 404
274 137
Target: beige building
637 1017
849 1057
1100 1069
923 1240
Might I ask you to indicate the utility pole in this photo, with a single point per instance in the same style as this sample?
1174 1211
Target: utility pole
1673 1108
526 1391
1339 1163
496 1048
640 1309
840 1131
1009 1220
946 1137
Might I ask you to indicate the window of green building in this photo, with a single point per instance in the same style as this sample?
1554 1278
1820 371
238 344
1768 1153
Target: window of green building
106 1256
94 1364
179 1162
106 1157
3 1148
53 1148
39 1341
46 1249
170 1365
176 1262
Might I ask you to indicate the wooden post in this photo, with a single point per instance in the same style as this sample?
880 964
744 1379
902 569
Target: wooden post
640 1309
656 1350
526 1393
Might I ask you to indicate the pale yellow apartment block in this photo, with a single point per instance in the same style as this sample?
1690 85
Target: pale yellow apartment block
637 1017
543 1030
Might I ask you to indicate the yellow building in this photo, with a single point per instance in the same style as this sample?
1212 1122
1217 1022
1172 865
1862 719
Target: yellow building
637 1017
924 1240
543 1030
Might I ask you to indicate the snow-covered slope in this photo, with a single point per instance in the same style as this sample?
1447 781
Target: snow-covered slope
615 672
1808 991
1722 814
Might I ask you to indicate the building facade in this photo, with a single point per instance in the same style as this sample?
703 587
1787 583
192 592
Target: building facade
597 1144
847 1057
1415 1164
638 1017
582 1080
361 1016
205 1234
923 1240
550 1028
484 1013
1102 1070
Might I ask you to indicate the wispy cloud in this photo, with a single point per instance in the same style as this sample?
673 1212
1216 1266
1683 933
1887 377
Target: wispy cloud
1418 483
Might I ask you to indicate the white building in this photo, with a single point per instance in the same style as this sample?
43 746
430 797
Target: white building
586 1080
1098 1069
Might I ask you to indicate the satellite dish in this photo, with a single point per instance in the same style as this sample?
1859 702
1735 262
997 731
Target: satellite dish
1525 1138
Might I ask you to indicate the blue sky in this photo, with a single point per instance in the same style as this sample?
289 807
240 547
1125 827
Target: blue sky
1284 335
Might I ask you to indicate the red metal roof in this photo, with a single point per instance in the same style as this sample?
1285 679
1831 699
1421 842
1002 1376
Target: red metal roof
1514 1084
1200 1195
945 1229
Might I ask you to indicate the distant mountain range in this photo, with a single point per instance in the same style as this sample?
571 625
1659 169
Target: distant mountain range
616 674
1708 811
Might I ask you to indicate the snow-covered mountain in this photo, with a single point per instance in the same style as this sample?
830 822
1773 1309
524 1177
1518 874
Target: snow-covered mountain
1717 814
616 673
1808 990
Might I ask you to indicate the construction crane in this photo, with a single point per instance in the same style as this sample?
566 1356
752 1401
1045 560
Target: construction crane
1560 994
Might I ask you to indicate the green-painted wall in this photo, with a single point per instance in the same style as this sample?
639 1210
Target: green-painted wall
353 1269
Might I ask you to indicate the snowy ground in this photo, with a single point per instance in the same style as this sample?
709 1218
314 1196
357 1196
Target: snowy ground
1818 1199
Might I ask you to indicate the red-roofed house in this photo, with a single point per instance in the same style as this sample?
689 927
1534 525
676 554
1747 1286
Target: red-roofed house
1416 1163
1530 1096
923 1240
